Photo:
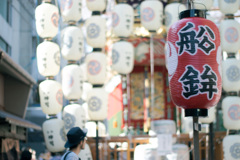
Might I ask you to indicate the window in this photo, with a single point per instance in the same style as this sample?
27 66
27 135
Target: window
4 46
5 10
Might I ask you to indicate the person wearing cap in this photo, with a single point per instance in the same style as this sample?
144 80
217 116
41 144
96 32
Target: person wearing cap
76 140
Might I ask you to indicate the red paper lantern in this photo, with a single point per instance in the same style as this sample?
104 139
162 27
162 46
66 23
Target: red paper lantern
194 63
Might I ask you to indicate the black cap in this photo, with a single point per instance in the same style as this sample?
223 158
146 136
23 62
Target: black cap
74 136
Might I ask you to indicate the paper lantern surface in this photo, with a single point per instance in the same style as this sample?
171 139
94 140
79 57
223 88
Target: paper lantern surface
123 57
194 63
182 151
151 14
47 16
51 97
72 43
96 5
122 20
231 147
54 135
228 6
164 126
91 127
203 4
71 10
211 116
72 81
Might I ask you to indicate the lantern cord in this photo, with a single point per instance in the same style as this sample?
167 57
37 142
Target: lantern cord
97 151
196 129
152 75
190 4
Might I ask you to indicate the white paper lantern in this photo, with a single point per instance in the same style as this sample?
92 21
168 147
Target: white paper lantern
123 57
211 116
164 126
54 135
97 100
47 16
203 4
151 14
231 112
72 43
231 147
96 67
231 75
182 151
83 66
91 127
172 11
96 31
145 152
229 32
48 58
122 20
85 153
51 97
96 5
86 87
71 10
72 81
74 116
228 6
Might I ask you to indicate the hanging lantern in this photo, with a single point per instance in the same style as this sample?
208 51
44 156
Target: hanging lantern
74 116
86 87
172 11
228 6
231 147
85 153
151 14
230 39
91 127
96 5
72 43
54 135
123 57
182 151
164 126
122 20
71 10
231 112
96 30
97 100
231 75
51 97
194 63
72 81
48 58
211 116
145 152
96 67
83 66
203 4
46 16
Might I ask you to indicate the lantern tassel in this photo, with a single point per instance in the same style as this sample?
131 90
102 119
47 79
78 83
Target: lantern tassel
196 129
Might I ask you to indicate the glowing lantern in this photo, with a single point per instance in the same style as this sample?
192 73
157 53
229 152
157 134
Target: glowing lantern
228 6
91 127
194 63
203 4
231 75
86 153
230 35
172 11
72 43
96 5
122 57
73 116
211 116
48 58
151 14
72 81
96 67
46 16
54 135
71 10
122 20
231 112
51 97
231 147
96 28
182 151
97 100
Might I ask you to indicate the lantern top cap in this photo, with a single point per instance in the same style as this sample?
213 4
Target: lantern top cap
192 13
196 112
229 16
96 13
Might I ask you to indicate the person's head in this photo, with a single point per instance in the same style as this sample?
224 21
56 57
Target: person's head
26 155
76 137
